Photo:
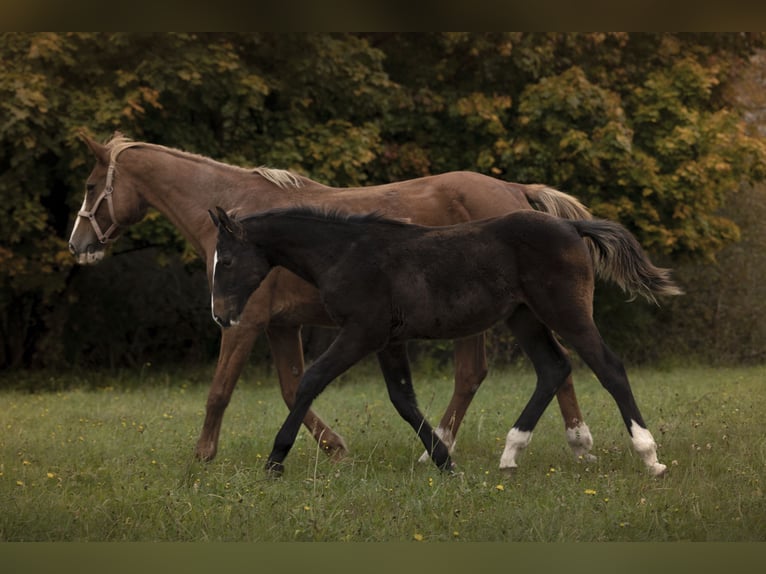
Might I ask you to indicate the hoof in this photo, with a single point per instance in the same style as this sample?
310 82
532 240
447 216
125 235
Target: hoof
335 448
587 457
204 454
508 471
448 467
658 470
274 469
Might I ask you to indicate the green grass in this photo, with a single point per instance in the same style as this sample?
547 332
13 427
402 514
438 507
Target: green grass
110 459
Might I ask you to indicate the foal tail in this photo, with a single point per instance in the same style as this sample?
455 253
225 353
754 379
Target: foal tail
620 259
555 202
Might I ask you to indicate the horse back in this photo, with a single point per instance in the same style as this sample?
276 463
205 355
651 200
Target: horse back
436 200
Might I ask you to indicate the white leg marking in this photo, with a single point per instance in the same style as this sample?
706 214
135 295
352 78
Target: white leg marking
515 442
643 442
445 435
580 441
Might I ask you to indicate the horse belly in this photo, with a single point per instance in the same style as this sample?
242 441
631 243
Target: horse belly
453 317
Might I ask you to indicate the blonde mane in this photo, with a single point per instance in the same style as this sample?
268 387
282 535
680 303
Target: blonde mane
280 177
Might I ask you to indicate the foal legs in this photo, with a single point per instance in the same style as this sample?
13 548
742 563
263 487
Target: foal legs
347 349
470 371
396 370
610 371
552 367
287 350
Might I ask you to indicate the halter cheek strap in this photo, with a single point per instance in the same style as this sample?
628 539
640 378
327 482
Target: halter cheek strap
90 214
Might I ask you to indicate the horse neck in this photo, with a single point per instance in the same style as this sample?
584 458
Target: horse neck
305 247
183 187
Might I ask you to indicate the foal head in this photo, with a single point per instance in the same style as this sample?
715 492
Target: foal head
239 267
105 212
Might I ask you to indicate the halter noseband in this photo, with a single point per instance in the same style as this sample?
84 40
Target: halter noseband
90 214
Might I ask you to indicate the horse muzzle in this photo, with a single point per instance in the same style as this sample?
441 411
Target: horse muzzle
88 256
225 322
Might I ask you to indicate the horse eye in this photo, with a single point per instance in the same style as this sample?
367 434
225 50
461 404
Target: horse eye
225 261
90 187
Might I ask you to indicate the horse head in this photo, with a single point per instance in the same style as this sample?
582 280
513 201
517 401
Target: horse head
104 212
239 267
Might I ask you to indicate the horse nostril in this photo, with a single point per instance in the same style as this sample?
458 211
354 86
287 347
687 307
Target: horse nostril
72 250
221 322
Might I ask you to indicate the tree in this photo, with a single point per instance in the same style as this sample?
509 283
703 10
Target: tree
638 126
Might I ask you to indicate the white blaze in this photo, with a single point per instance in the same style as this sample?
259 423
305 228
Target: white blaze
212 283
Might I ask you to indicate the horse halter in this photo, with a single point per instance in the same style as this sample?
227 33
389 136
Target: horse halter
90 214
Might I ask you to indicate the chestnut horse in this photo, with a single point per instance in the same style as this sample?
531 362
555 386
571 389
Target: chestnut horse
385 282
131 176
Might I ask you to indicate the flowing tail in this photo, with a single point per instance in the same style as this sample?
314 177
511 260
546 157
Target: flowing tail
621 259
555 202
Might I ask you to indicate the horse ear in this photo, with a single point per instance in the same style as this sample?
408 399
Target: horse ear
225 222
214 218
100 151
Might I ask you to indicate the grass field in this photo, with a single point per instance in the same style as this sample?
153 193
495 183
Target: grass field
108 458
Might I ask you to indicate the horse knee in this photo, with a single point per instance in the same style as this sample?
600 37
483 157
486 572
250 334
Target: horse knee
217 401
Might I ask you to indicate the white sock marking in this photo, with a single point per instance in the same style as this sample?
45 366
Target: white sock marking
515 442
580 441
643 443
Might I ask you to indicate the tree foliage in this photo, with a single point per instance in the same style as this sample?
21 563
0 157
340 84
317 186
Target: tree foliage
640 127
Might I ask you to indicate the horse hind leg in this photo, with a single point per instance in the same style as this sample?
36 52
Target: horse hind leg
470 371
609 370
577 433
552 367
395 366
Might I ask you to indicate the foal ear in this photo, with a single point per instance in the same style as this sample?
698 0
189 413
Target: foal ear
224 222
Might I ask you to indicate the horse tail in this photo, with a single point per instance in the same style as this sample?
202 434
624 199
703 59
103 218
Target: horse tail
555 202
563 205
622 260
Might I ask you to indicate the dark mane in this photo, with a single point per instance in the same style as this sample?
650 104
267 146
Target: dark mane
329 215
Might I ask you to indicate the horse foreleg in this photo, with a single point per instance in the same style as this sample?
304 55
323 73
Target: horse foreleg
396 370
236 344
287 350
470 372
349 347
